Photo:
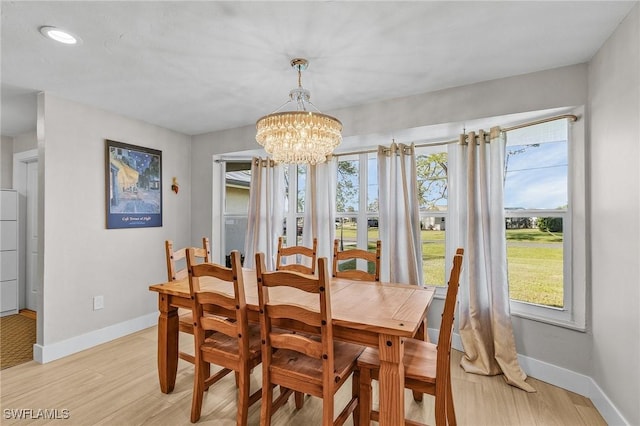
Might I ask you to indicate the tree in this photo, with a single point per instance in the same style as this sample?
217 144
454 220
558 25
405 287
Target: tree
347 184
550 224
432 179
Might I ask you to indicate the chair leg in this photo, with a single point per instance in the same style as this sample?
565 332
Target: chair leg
299 397
207 373
327 406
267 400
355 394
364 399
198 389
243 397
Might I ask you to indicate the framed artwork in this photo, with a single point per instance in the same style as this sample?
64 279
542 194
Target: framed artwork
133 186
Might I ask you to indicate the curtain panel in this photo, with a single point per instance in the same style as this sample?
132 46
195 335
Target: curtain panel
399 222
319 212
478 210
266 212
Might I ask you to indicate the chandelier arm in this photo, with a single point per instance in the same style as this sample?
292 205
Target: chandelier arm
281 106
316 108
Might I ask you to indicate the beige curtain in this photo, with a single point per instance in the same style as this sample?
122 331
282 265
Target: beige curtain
320 206
485 317
399 222
266 215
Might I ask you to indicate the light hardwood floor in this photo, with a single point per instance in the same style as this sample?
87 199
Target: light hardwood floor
116 384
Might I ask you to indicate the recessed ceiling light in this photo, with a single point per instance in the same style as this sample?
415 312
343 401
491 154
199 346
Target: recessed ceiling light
59 35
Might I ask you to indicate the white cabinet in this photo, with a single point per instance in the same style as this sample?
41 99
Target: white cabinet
8 252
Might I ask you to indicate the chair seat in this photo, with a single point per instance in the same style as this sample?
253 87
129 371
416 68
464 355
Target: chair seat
298 365
219 342
419 360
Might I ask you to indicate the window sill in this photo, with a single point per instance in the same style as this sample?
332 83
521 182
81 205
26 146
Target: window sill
558 321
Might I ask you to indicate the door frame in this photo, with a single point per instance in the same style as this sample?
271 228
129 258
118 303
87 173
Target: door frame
20 161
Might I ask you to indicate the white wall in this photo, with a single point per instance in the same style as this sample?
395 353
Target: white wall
6 162
10 146
614 100
25 142
82 259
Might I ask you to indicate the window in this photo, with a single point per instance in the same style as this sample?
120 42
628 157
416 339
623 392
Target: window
431 170
357 205
538 223
544 197
237 179
295 182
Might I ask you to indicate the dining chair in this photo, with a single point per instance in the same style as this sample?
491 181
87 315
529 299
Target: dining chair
355 254
174 259
233 343
298 251
427 367
315 365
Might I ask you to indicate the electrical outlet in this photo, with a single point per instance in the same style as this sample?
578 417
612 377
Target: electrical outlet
98 302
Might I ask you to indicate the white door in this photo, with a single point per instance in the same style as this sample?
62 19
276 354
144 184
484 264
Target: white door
32 236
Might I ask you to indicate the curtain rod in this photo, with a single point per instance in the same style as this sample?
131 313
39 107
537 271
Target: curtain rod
570 117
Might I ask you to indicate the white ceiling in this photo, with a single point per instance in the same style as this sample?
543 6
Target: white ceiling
202 66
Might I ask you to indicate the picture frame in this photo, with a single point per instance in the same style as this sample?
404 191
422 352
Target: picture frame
133 186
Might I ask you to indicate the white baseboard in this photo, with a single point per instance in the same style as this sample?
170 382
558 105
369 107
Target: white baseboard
47 353
561 377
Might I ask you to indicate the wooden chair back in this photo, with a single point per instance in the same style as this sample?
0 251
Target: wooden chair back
306 364
357 274
448 313
233 344
298 265
175 256
174 273
319 320
233 306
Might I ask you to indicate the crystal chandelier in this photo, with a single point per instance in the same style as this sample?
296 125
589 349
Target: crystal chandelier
300 136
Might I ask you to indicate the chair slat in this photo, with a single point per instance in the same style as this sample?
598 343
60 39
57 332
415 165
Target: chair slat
285 253
291 279
356 274
297 343
220 325
295 312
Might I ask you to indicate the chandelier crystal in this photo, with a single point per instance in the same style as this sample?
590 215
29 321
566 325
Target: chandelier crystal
300 136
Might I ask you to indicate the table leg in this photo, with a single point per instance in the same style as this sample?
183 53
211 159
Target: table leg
167 344
391 379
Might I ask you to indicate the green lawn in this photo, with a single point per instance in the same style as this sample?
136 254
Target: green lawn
534 258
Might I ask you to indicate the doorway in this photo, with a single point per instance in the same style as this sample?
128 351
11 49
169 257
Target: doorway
25 179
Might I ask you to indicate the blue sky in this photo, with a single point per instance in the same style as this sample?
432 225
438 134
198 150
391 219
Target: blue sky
537 177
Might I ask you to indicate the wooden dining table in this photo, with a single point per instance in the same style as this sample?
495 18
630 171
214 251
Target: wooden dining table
374 314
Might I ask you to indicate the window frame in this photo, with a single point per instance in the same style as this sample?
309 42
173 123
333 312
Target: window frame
573 313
